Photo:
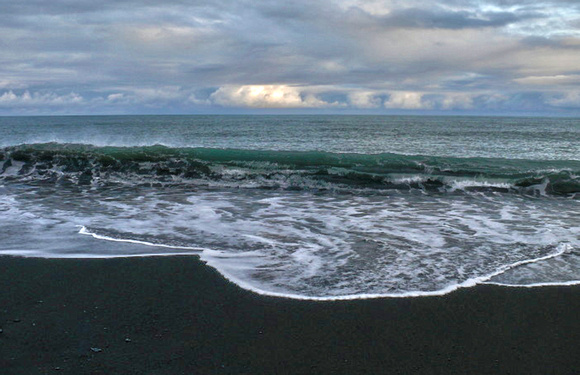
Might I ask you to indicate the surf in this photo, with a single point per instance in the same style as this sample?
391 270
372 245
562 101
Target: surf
80 164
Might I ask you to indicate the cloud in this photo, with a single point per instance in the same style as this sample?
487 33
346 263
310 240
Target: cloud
9 84
407 100
26 99
266 96
115 97
561 79
446 19
565 100
142 56
457 101
365 99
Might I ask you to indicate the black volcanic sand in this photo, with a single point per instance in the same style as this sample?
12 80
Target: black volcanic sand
175 315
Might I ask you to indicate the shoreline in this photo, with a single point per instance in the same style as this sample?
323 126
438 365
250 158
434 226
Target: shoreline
174 315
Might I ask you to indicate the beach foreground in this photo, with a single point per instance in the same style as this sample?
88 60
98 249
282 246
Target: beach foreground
174 315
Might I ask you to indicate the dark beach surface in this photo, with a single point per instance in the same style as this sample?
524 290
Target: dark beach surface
174 315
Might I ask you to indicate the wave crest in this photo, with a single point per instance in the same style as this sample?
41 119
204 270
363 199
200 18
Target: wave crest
91 165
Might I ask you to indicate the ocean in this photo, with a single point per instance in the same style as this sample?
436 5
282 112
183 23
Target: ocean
308 207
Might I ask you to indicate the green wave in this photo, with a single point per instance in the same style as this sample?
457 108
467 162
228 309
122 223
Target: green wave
82 164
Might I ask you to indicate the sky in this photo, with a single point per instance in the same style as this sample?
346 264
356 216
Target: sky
482 57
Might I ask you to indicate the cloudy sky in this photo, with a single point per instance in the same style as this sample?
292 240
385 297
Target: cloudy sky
295 56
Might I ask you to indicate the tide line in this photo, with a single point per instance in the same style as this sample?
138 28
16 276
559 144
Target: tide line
85 231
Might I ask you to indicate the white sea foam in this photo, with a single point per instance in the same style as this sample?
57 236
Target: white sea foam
84 231
536 285
307 246
466 184
441 292
13 169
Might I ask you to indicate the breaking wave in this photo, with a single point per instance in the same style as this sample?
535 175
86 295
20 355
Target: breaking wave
77 164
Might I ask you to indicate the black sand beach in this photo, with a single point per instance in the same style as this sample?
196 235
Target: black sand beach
176 316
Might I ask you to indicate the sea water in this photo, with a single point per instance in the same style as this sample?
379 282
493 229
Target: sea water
315 207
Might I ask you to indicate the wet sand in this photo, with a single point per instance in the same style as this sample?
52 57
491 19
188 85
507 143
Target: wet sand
175 315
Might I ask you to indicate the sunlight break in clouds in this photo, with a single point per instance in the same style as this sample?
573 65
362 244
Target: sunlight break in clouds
269 96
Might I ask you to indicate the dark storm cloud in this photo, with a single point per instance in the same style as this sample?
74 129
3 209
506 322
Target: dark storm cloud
186 56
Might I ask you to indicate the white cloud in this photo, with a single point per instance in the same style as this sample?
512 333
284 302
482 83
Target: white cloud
26 99
195 100
566 100
146 96
407 100
364 99
266 96
560 79
115 97
163 37
9 84
373 7
457 101
556 21
159 93
430 100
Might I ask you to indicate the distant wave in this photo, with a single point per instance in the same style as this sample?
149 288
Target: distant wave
296 170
